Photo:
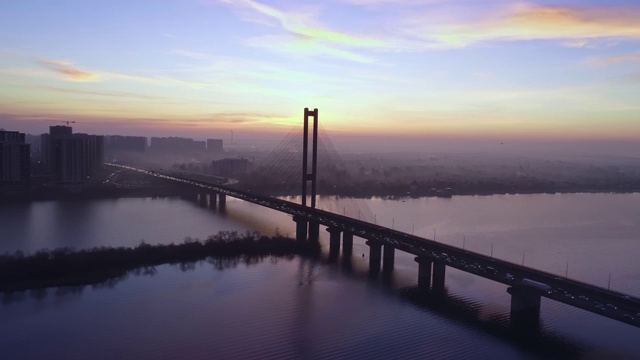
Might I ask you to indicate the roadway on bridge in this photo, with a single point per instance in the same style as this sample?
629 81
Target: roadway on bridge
611 304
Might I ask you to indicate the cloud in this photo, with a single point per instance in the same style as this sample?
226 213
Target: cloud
305 34
119 94
576 43
532 22
305 46
615 59
69 71
392 2
241 69
438 25
302 24
237 118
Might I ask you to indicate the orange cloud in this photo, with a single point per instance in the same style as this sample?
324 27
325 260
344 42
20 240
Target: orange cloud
69 72
434 26
531 22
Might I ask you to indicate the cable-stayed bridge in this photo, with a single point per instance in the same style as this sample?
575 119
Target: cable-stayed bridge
526 285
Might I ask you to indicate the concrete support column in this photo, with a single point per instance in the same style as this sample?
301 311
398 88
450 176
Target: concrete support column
212 200
314 231
525 307
334 242
375 255
438 276
388 257
222 201
202 200
301 228
424 273
347 244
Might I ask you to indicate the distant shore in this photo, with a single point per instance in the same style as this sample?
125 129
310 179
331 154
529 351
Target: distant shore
64 267
398 192
91 193
143 193
131 184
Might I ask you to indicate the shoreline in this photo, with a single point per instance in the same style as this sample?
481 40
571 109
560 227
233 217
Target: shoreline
73 196
64 267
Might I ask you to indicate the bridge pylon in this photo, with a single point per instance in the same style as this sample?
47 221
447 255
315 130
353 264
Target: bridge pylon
306 175
310 176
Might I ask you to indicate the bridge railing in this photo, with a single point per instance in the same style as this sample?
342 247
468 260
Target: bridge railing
410 243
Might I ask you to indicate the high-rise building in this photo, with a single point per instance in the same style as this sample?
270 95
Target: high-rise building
176 144
116 143
36 149
47 142
72 158
92 155
230 166
214 145
15 162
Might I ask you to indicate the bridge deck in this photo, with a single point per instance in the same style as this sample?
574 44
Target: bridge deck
611 304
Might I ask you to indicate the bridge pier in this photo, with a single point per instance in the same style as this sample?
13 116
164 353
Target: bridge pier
525 307
375 255
301 228
222 202
334 242
438 276
212 200
347 244
314 231
202 200
388 257
424 273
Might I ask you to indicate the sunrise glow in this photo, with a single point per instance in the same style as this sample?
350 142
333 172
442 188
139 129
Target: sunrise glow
565 69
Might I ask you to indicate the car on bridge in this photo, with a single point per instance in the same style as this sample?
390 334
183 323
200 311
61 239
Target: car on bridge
537 285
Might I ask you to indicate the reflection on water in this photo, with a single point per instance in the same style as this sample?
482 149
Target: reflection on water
302 308
281 308
293 307
125 222
218 263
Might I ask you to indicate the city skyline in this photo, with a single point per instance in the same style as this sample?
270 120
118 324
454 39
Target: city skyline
564 70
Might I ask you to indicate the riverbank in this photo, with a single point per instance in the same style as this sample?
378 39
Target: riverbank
65 267
405 193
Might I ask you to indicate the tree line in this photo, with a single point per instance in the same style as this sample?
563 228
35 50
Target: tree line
65 267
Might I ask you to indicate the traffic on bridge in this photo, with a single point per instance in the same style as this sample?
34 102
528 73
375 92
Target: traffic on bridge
536 283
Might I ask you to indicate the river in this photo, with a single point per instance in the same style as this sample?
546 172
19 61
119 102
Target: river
292 308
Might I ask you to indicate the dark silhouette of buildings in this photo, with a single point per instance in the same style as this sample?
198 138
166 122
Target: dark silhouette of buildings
72 158
176 145
230 166
36 147
114 144
15 158
47 142
214 145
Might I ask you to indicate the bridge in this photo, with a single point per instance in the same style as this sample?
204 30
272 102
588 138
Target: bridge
526 285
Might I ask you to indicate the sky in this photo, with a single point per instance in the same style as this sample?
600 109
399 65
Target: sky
468 69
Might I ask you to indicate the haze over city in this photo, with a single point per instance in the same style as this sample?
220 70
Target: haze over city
467 70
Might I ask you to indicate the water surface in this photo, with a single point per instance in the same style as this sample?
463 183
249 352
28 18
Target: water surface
298 308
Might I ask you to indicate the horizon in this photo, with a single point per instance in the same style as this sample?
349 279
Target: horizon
369 143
